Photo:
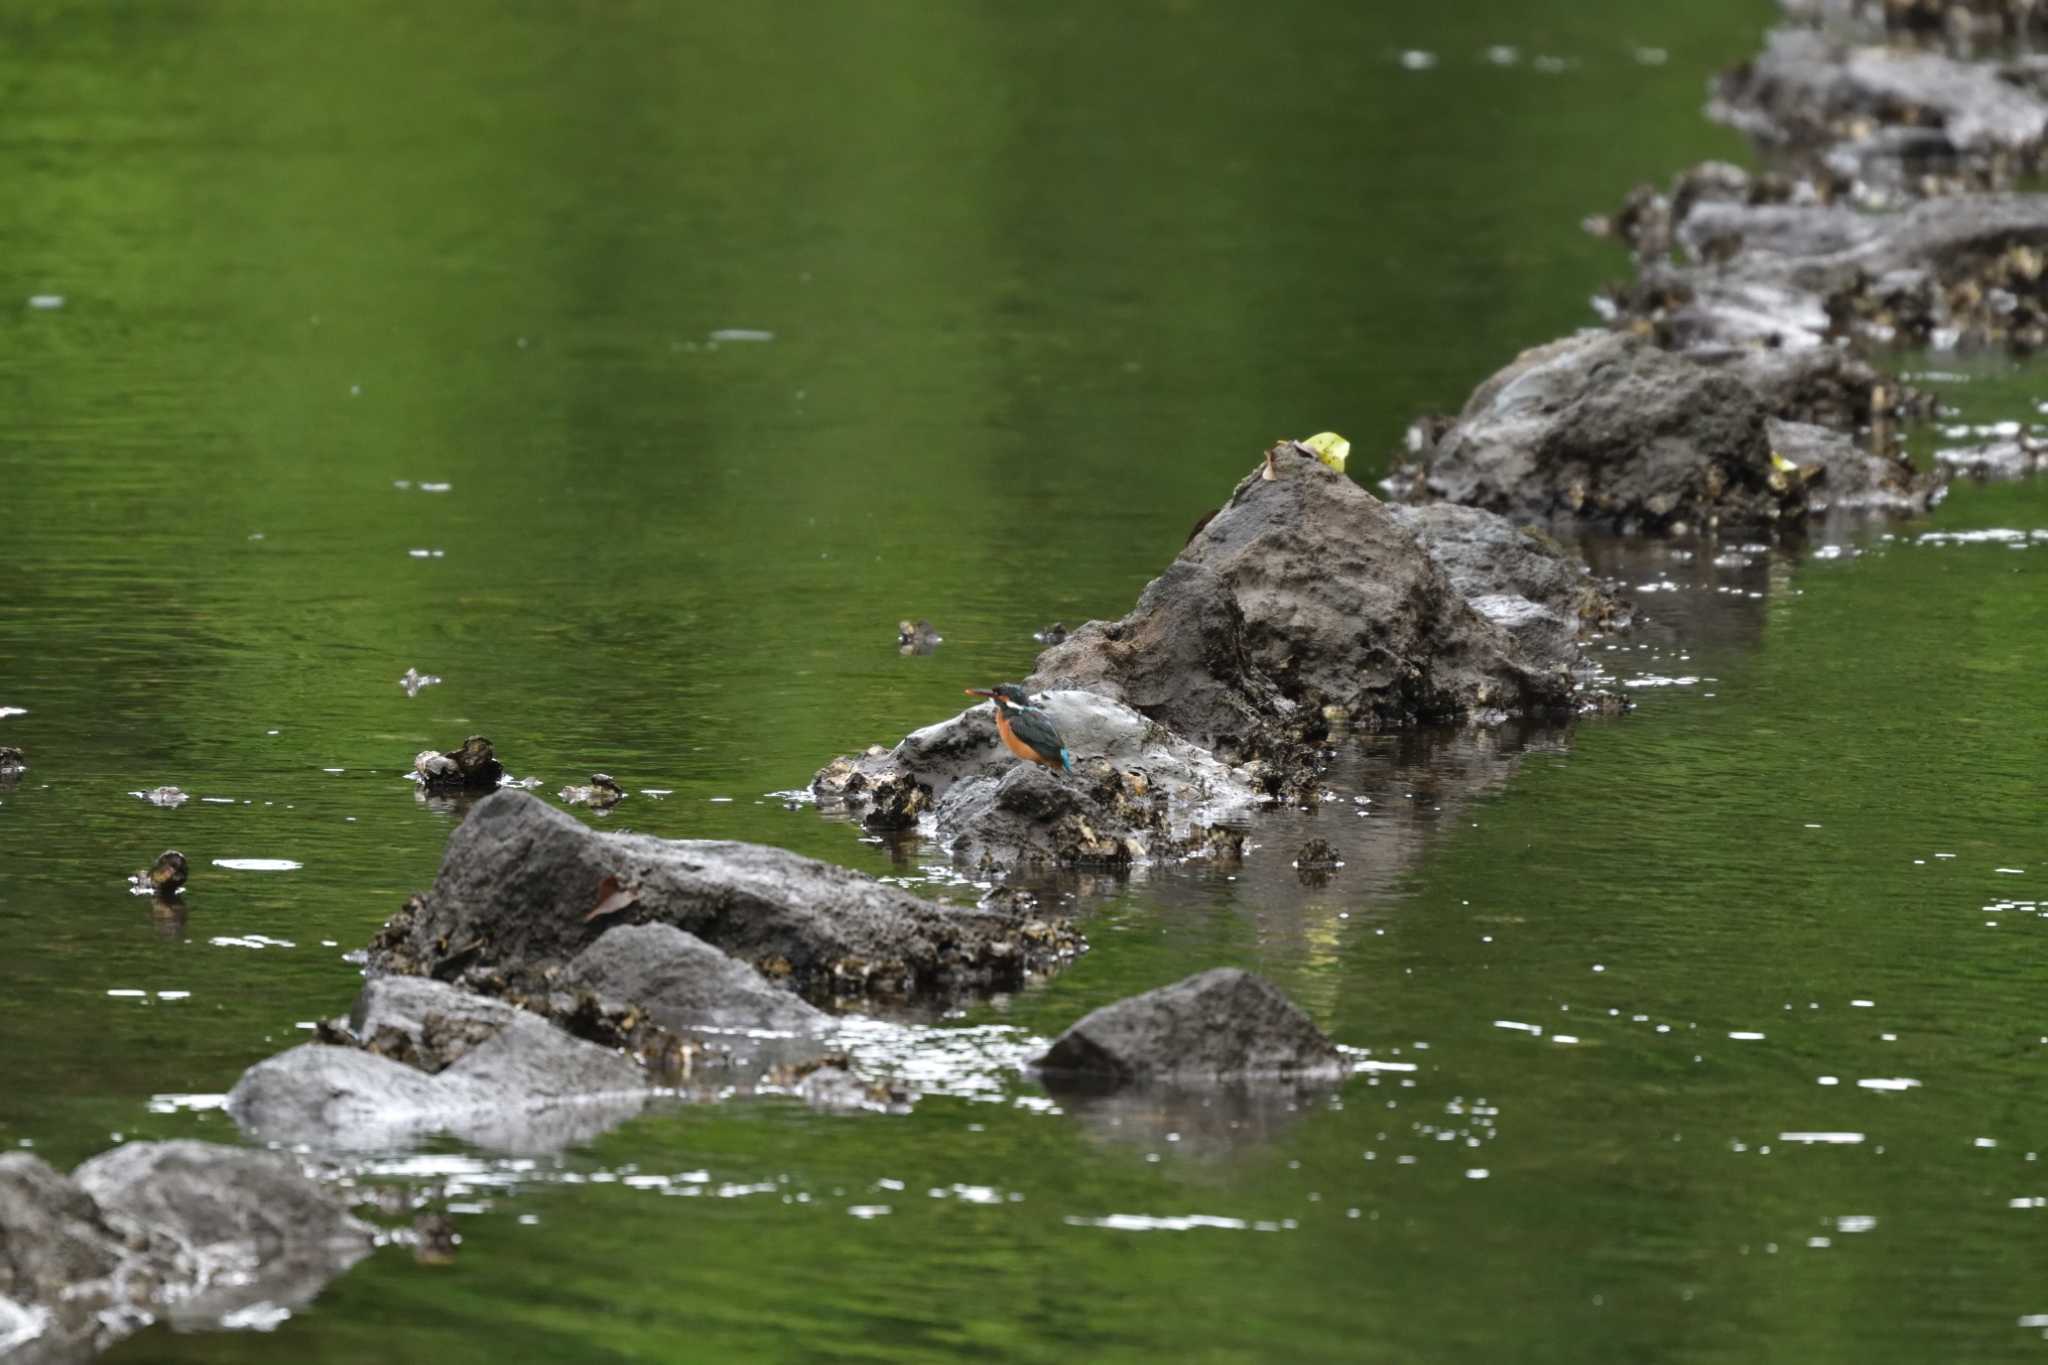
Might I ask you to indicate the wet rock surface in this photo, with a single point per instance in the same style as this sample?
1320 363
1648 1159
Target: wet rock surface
1302 593
186 1232
520 880
1220 1025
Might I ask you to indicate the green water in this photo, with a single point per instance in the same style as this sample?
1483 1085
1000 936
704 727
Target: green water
1041 281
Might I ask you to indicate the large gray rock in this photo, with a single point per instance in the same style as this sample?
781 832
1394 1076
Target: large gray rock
439 1059
685 984
1609 430
1302 593
520 879
186 1232
1217 1025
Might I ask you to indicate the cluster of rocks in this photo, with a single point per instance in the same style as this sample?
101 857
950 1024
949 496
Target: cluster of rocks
1730 392
1303 606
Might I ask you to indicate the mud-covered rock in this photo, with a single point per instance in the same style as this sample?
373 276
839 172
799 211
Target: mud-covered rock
186 1232
1137 790
1218 1025
520 880
1610 431
430 1057
1302 593
1517 577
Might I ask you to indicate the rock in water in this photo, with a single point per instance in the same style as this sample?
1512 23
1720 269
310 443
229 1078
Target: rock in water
189 1232
473 767
520 878
1219 1025
1303 592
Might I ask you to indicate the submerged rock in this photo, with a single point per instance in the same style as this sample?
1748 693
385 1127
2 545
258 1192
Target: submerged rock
473 767
12 762
1302 593
186 1232
1217 1025
520 881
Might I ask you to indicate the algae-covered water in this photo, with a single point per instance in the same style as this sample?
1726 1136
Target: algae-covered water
635 367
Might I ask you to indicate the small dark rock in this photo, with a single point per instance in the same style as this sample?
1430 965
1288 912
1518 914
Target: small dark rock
1218 1025
1054 634
164 878
473 767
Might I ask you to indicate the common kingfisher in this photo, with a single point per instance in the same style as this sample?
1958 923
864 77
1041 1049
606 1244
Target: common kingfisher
1027 731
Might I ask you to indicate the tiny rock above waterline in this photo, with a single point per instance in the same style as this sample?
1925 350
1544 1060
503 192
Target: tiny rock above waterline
472 767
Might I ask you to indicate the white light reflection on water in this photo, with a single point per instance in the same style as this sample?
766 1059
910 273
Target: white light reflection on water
1184 1222
976 1063
258 864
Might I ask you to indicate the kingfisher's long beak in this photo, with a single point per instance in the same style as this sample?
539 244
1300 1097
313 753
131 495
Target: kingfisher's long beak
979 692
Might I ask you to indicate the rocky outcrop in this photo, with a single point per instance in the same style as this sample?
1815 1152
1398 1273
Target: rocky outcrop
1302 595
521 881
1220 1025
187 1232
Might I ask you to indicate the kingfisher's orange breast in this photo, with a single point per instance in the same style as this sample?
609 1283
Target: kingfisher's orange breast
1014 744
